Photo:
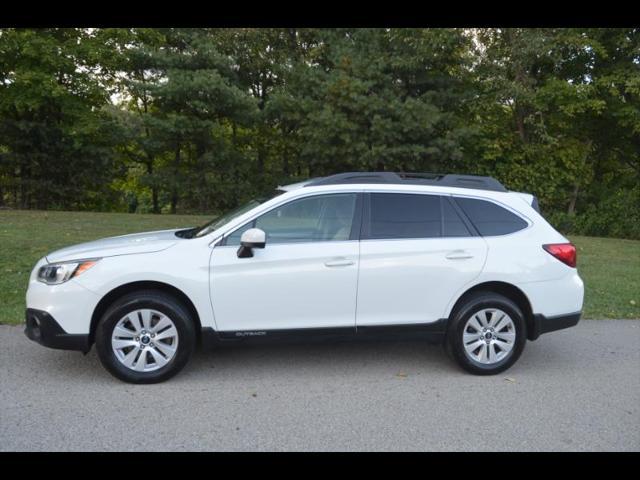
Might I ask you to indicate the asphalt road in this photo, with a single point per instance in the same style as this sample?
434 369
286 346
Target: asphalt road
577 389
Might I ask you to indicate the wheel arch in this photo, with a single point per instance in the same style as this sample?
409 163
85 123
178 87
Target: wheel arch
508 290
108 299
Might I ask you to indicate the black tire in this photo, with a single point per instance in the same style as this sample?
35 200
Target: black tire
163 303
456 325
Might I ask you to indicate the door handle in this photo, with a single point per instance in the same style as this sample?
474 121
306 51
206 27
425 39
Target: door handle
339 262
458 255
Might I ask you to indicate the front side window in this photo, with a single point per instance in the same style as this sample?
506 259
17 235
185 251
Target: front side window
400 215
489 218
320 218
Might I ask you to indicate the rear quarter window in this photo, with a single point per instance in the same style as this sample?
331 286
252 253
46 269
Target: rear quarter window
489 218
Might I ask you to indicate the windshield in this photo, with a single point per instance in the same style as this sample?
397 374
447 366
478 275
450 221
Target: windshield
220 220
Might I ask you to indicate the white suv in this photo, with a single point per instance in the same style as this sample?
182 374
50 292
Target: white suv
452 258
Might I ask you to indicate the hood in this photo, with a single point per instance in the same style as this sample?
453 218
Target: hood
123 245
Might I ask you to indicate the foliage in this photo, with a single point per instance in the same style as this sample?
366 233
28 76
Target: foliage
199 120
617 215
57 142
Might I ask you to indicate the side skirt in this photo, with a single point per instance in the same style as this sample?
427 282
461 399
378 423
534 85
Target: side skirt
432 332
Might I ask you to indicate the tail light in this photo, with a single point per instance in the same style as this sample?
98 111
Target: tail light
565 252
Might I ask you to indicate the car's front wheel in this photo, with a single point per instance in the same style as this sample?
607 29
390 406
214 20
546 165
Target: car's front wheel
487 334
145 337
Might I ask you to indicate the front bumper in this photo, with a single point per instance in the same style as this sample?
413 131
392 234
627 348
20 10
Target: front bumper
42 328
70 303
543 324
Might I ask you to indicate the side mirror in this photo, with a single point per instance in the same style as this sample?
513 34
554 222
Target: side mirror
252 238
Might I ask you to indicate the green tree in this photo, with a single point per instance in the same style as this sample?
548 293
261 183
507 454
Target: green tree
533 105
194 98
56 138
374 99
200 119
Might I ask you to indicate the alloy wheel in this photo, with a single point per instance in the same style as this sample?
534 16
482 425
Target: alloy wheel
489 336
144 340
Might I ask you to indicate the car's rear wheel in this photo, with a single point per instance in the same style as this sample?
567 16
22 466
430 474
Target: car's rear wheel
487 334
145 337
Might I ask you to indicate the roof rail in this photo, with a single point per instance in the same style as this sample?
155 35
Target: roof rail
435 179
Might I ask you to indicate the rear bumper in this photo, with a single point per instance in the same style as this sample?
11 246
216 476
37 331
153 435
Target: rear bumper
543 324
45 330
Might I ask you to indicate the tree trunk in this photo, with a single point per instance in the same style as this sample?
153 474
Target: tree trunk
520 124
285 162
154 199
203 200
234 168
24 188
15 188
150 158
174 193
572 203
154 189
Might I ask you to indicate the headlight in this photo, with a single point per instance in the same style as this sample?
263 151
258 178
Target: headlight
56 273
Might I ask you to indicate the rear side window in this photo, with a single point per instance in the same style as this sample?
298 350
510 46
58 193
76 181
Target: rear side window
489 218
452 223
399 215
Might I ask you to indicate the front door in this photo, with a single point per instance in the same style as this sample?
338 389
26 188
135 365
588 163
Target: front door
305 277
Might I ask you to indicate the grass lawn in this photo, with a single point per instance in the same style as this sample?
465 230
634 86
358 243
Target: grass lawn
27 235
609 267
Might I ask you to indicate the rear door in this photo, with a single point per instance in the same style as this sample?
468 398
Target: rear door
416 252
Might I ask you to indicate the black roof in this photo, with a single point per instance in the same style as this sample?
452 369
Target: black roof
402 178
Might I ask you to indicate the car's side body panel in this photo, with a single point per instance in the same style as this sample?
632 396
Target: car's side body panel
285 286
288 286
184 266
410 281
